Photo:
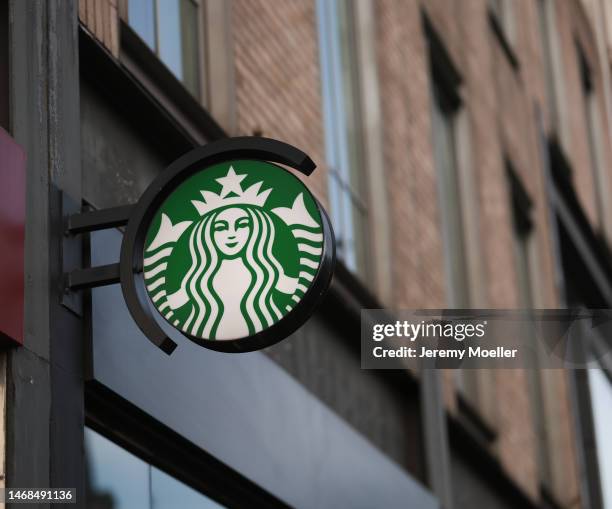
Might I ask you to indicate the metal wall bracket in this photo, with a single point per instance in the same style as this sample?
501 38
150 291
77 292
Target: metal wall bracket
71 253
92 277
95 220
76 277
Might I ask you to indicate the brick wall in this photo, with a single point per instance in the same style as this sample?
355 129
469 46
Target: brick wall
278 94
101 18
278 91
276 41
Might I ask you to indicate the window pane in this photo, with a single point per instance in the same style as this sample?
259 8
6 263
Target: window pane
450 205
343 141
601 395
348 235
361 255
141 15
189 33
116 478
547 56
352 175
169 493
169 35
335 202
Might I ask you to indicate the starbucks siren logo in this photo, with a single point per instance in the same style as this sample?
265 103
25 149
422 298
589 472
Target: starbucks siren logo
232 250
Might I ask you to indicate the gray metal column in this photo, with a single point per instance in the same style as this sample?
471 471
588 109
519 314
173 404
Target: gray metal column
45 377
437 448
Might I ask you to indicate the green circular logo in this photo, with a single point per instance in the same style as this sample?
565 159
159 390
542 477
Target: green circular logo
232 250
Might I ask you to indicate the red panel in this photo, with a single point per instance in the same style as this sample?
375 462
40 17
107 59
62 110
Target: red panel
12 236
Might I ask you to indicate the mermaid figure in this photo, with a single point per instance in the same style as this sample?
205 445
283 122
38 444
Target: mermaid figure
228 291
232 275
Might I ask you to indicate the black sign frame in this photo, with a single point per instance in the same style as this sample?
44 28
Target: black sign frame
132 248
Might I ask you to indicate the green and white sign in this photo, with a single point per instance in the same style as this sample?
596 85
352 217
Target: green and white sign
233 250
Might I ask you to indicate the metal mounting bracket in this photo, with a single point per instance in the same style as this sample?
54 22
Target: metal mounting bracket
77 277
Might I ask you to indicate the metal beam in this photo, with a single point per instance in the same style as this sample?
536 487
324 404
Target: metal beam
93 277
98 219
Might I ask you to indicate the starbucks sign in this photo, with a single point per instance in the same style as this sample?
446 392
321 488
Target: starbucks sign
232 252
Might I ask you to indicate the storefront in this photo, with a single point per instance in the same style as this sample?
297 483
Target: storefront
193 429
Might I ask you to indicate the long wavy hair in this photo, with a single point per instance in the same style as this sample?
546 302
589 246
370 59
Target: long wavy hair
257 304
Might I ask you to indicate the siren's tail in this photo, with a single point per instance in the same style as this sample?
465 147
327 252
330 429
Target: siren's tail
310 247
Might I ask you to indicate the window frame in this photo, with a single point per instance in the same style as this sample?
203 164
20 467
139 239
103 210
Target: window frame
593 121
527 268
149 470
217 96
601 466
201 70
348 184
474 388
163 448
445 97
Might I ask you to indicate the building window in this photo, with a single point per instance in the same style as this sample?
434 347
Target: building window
524 252
172 29
449 140
552 61
445 157
593 128
119 480
551 91
446 107
601 402
343 135
523 236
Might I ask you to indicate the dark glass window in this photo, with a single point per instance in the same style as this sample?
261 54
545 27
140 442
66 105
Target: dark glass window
116 479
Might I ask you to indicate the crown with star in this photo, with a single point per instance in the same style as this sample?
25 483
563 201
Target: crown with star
231 194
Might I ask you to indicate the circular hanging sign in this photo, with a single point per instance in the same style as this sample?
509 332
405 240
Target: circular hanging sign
235 255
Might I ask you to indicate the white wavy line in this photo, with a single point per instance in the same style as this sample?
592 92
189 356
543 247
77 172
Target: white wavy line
295 298
169 314
193 265
258 276
309 263
155 271
214 307
288 307
176 322
159 296
303 234
158 256
186 326
306 275
267 284
193 284
275 262
301 287
305 248
157 283
164 306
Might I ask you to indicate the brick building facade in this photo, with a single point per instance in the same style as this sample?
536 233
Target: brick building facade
518 92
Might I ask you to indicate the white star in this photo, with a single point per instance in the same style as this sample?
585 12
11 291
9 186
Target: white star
231 182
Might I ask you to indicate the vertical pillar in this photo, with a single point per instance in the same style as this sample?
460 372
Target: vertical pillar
45 377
